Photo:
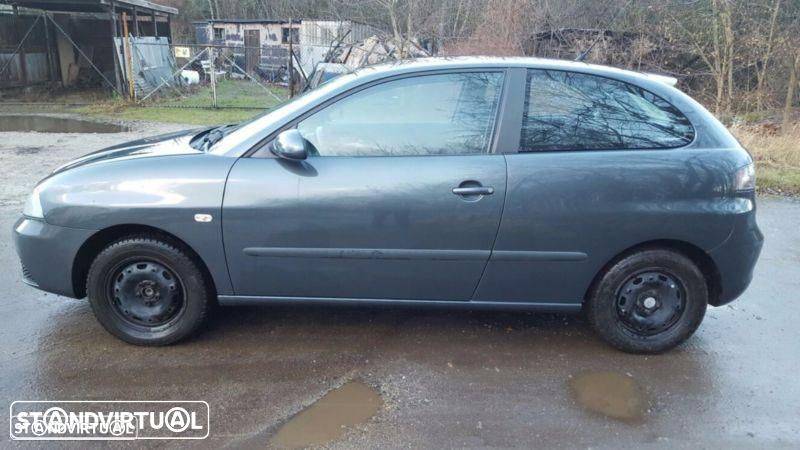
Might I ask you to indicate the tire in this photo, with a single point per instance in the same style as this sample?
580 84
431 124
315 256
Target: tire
648 302
147 291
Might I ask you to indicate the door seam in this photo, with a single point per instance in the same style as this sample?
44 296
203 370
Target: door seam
222 225
497 232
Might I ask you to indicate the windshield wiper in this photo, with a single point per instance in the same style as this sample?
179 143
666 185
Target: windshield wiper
213 136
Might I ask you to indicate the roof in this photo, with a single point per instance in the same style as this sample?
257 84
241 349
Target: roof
434 63
267 21
91 5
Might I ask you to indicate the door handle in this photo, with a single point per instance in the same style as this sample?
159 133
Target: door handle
474 190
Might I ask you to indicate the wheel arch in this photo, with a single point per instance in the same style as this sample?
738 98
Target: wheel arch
102 238
696 254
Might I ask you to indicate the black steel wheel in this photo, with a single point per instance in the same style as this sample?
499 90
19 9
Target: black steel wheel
148 291
648 302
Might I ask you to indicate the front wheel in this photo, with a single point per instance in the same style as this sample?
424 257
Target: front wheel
648 302
147 291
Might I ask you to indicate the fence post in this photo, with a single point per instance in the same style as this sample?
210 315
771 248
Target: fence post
128 53
213 77
112 15
290 64
135 21
23 63
51 65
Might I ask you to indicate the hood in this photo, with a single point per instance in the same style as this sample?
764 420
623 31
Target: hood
162 145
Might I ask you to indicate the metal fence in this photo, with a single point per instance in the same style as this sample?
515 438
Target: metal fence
157 73
144 71
241 72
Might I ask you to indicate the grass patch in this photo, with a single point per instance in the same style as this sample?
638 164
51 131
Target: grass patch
237 100
191 116
230 94
778 181
777 157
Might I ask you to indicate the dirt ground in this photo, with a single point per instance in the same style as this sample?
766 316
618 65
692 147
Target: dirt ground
426 378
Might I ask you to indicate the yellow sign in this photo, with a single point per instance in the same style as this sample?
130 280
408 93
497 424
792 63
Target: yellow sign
182 52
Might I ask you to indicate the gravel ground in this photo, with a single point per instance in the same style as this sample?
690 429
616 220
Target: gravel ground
447 379
26 158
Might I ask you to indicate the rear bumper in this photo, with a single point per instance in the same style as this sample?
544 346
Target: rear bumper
47 253
736 258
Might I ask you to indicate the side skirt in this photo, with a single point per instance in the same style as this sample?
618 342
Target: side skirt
478 305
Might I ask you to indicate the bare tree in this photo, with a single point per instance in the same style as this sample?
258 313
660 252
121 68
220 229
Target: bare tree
791 90
734 55
764 70
710 33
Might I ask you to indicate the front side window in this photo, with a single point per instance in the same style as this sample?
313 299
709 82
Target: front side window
219 33
575 111
448 114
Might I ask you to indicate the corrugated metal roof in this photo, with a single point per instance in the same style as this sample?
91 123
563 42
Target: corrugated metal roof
90 5
222 21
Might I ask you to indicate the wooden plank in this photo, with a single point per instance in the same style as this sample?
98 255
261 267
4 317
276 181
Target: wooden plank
136 21
112 14
51 61
93 5
63 5
23 65
143 4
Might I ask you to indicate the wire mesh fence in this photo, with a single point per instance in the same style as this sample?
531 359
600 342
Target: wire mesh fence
158 73
232 66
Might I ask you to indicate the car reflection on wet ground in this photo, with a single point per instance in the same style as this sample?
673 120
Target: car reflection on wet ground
373 377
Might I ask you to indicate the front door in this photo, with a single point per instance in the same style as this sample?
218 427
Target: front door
402 199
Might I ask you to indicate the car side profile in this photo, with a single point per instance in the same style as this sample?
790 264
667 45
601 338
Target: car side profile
512 183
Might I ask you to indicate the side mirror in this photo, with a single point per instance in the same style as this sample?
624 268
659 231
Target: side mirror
291 145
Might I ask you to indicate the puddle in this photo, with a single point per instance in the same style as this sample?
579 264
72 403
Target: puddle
45 124
329 417
28 150
611 394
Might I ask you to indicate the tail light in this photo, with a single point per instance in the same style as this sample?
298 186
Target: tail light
744 180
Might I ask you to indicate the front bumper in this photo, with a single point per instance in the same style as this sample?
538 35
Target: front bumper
47 253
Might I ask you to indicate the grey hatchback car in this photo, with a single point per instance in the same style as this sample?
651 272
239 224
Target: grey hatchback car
473 182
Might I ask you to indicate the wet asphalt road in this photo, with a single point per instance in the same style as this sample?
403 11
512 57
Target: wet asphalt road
445 378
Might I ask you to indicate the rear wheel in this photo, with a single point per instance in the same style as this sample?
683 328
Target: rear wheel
147 291
648 302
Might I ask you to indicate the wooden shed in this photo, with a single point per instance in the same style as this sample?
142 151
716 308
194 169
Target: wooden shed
71 42
264 43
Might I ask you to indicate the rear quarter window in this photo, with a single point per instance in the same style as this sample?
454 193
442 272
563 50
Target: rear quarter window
574 111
